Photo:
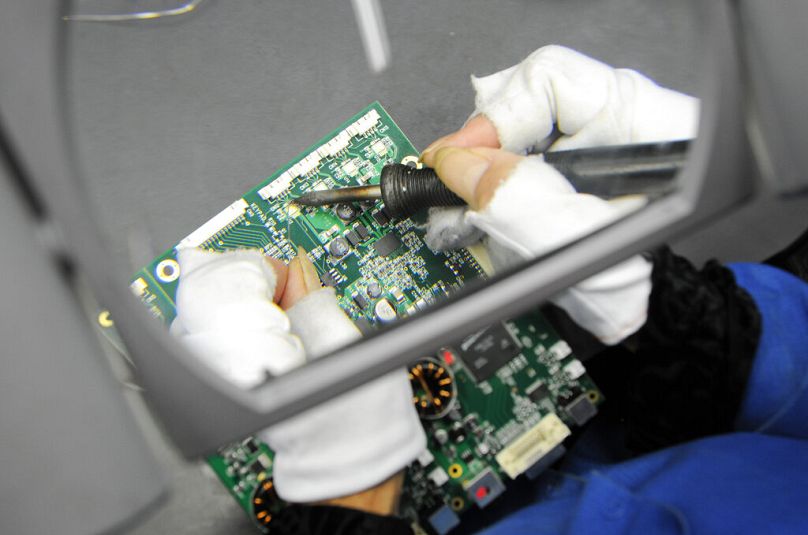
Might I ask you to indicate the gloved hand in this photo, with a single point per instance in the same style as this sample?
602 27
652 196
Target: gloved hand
227 315
524 205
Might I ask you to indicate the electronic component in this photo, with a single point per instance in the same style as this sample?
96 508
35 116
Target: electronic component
425 458
545 462
276 187
433 388
381 218
532 445
329 280
384 311
353 238
379 148
438 476
360 301
338 247
138 286
574 369
398 295
374 290
485 488
457 432
538 392
444 520
560 350
350 168
581 410
488 350
346 212
218 223
265 504
250 445
362 230
257 467
386 245
441 436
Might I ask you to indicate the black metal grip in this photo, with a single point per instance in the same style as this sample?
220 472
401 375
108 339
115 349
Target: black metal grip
406 190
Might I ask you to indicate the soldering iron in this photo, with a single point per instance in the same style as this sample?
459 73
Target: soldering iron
642 169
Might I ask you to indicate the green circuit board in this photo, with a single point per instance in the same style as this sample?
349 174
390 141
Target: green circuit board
495 405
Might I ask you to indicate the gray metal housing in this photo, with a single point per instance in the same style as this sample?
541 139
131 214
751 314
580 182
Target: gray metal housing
72 458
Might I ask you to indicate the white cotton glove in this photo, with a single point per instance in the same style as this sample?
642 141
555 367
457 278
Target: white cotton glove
354 441
226 316
225 311
535 211
524 205
591 103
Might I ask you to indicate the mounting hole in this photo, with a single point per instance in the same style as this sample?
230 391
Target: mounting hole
455 470
167 270
457 503
593 395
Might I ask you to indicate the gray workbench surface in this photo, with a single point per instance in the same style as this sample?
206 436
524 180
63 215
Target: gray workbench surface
174 119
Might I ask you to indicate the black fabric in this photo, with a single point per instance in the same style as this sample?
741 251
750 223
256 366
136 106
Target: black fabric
693 356
299 519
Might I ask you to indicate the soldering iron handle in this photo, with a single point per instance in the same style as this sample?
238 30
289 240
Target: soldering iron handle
644 169
612 171
407 190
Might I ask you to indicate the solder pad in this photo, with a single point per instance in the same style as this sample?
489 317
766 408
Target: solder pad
491 406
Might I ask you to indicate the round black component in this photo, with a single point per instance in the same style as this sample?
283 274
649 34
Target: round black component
265 504
338 247
346 212
433 388
374 290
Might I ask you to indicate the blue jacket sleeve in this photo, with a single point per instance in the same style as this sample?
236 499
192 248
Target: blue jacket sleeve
776 397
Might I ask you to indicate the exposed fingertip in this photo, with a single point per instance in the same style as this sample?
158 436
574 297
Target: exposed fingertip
461 170
281 271
310 277
428 156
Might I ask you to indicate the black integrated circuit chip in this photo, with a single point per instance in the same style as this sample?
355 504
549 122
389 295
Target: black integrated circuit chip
329 280
257 467
488 350
360 301
581 410
362 230
353 238
539 393
386 245
381 218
